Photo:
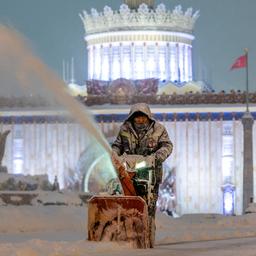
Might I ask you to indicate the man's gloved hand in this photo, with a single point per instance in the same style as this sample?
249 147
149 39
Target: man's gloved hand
158 157
151 160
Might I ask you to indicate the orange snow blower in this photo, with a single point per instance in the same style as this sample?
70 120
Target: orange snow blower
125 217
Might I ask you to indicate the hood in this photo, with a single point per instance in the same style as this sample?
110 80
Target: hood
140 107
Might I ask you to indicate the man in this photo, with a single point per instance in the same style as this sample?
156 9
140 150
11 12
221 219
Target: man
141 134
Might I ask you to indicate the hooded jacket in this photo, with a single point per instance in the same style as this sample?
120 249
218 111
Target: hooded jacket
154 140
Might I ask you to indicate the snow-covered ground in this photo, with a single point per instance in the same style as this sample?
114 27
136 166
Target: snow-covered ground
52 230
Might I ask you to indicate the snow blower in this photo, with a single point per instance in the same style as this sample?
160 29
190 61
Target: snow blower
125 217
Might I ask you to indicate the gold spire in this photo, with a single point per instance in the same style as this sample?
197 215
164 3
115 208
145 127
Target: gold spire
134 4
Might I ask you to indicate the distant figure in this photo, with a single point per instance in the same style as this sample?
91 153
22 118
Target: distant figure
56 186
3 137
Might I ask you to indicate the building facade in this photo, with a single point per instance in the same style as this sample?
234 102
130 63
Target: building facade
139 42
207 156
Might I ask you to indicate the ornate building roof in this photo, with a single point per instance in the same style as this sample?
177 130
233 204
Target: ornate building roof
138 15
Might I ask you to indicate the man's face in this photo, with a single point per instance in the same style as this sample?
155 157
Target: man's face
141 119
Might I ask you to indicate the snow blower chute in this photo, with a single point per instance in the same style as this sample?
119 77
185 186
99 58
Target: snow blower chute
125 217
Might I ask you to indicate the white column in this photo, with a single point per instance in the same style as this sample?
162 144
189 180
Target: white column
150 61
126 61
227 152
238 165
182 62
97 62
138 61
180 170
90 61
227 163
115 74
214 168
18 148
173 62
162 61
191 154
27 145
110 61
132 60
101 63
178 74
157 60
186 63
168 62
190 71
121 61
94 62
145 59
105 63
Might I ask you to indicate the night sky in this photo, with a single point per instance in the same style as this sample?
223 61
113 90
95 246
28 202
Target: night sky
223 30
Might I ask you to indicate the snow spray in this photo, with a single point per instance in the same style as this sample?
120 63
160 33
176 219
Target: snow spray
29 70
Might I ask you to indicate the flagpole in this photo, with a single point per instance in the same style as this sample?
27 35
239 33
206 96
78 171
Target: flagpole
247 81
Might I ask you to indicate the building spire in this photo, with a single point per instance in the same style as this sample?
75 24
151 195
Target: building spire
134 4
64 71
72 71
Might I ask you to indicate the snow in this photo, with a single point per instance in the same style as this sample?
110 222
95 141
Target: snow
61 230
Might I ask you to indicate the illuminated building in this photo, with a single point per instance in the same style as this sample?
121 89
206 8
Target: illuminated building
140 42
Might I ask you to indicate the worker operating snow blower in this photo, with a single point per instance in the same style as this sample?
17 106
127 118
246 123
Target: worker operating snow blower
138 153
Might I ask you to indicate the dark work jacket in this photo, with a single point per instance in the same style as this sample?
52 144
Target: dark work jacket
154 140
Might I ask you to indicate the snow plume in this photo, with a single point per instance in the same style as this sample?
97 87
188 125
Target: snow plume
22 73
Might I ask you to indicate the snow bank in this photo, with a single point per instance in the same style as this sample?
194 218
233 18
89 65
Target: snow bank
60 230
203 227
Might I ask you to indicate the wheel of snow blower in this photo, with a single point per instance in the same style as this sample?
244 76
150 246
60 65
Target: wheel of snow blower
119 218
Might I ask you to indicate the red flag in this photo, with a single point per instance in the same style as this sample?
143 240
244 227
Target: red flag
240 62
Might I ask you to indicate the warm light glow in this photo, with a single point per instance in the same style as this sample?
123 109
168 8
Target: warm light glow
140 165
17 166
228 202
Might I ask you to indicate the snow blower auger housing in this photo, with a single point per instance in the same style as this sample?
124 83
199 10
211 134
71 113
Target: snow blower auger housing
125 218
118 218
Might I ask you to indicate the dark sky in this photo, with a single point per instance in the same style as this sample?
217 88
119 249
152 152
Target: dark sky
223 30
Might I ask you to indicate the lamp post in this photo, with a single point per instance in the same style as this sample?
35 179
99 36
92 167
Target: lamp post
247 121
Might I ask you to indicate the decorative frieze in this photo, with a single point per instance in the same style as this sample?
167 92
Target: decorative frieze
188 98
139 36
